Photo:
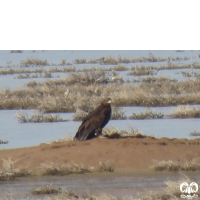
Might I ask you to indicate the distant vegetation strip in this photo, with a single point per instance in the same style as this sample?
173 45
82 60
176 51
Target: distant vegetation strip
23 118
117 114
3 141
85 90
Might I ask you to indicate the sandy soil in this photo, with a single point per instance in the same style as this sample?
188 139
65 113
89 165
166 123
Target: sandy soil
133 155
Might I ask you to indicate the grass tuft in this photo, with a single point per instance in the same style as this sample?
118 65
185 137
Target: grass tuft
106 166
195 133
30 62
143 70
48 189
80 61
52 169
23 118
111 132
118 113
3 141
174 166
149 114
185 112
16 51
11 172
79 115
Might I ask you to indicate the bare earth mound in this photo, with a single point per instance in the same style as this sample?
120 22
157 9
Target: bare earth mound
127 155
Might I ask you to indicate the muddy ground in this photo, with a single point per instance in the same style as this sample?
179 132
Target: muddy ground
128 155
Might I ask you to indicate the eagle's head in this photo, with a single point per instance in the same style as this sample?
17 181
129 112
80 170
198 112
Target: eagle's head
106 101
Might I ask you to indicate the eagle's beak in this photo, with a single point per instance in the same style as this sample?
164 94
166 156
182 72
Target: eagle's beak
109 101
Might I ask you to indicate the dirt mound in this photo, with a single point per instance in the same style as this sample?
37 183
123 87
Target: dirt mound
127 154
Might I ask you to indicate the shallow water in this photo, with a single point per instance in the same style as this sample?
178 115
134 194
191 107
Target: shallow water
31 134
115 185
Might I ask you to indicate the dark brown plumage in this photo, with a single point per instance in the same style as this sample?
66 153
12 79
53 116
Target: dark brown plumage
94 121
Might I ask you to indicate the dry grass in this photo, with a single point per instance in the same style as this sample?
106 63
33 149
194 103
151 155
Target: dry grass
79 115
106 166
53 169
175 166
48 189
119 59
21 71
111 132
140 71
16 51
23 118
66 138
185 112
195 133
118 113
30 62
11 171
119 68
3 141
149 114
80 61
157 79
47 74
82 91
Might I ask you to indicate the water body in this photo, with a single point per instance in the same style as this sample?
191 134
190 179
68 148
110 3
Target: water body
112 184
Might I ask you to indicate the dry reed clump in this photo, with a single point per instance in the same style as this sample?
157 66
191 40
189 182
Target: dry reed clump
64 69
53 169
3 141
143 70
11 172
195 133
158 79
118 113
88 77
185 112
23 118
80 61
66 138
21 71
46 74
38 70
30 62
119 68
106 166
111 132
16 51
149 114
119 59
48 189
174 166
79 115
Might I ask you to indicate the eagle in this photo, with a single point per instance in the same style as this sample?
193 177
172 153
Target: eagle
94 122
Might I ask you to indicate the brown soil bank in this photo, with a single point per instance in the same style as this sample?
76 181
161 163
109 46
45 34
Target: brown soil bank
127 154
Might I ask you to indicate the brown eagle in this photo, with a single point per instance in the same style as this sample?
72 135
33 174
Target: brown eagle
94 121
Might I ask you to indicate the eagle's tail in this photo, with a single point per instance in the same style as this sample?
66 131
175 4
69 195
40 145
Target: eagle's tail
84 135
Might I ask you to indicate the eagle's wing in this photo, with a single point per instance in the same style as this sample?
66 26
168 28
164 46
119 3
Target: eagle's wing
89 126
